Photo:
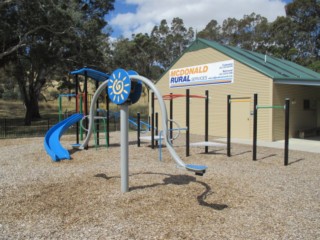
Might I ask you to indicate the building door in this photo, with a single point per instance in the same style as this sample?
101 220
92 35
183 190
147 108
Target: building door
240 119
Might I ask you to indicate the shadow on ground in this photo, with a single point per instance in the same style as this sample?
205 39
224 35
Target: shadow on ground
176 180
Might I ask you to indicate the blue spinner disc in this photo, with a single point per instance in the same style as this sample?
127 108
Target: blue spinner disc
119 86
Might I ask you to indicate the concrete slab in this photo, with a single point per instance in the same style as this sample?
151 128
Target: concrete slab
305 145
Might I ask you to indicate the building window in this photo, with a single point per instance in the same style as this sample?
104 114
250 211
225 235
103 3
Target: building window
306 104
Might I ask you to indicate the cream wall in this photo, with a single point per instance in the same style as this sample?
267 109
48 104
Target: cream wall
299 118
246 82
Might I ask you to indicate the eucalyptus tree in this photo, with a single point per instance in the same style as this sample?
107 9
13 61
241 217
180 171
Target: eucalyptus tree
212 31
45 39
229 31
305 14
171 40
283 38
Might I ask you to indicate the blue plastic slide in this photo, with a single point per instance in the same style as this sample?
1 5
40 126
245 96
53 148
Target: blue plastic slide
52 139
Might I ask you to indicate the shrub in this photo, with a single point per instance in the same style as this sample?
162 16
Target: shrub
10 95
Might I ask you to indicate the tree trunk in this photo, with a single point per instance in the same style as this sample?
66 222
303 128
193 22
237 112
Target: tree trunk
32 109
30 92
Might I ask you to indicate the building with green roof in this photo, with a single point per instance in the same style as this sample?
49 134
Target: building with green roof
225 70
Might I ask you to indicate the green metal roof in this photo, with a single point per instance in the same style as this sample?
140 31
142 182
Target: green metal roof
281 71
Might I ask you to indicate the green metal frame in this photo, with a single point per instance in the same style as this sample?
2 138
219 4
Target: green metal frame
104 120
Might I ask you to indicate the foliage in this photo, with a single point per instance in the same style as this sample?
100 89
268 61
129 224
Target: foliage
171 41
305 15
60 35
294 37
64 35
151 54
10 95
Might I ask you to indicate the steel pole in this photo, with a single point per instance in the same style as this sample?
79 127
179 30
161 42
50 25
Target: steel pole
124 141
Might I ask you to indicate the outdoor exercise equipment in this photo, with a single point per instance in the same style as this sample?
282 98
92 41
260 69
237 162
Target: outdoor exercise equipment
206 142
169 97
178 129
256 107
119 85
231 100
123 90
286 108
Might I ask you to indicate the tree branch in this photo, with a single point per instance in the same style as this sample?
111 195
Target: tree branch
22 42
11 50
6 2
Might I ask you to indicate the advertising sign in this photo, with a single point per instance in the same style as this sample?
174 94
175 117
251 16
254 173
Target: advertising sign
206 74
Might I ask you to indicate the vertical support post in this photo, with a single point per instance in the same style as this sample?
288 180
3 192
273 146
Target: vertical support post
124 119
98 125
152 120
229 126
255 123
171 116
86 101
156 124
81 111
77 107
138 129
286 132
188 122
206 134
85 94
108 119
60 108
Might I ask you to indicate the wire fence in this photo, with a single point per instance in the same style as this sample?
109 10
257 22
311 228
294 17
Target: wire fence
15 128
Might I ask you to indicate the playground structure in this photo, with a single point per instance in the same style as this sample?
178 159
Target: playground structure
286 108
206 143
124 89
62 114
230 100
256 107
79 107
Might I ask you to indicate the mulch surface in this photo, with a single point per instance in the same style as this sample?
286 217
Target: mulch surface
81 198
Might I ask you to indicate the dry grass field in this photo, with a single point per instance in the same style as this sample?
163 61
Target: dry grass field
16 109
81 198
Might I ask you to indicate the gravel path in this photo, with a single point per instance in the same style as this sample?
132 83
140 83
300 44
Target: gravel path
81 199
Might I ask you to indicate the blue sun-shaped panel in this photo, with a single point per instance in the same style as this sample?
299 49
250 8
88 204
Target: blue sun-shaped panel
119 86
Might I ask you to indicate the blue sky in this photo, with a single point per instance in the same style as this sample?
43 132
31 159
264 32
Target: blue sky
135 16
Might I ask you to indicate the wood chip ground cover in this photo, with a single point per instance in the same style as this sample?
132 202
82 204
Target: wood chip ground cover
81 198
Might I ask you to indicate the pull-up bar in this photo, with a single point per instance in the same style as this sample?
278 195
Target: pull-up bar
206 134
229 101
173 96
240 100
274 107
286 127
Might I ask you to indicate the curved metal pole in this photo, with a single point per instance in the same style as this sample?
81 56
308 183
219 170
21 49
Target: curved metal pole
198 169
164 118
92 113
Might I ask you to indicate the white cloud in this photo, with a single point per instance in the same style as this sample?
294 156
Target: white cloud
195 14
